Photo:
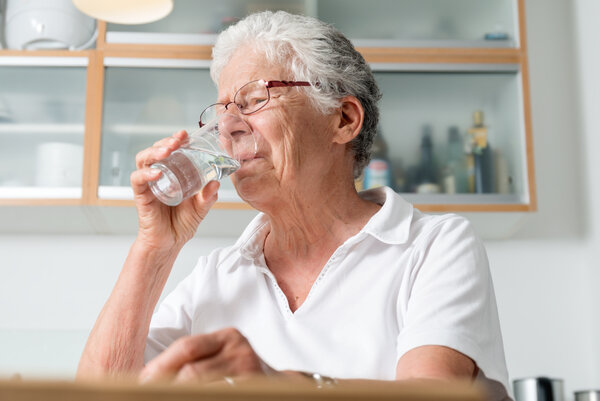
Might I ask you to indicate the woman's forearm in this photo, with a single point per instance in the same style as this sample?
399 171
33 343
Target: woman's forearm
117 342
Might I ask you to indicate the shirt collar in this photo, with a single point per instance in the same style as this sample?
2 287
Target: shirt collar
391 223
252 240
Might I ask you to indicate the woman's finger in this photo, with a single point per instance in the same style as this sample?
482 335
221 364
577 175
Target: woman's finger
172 141
160 150
184 350
149 156
140 178
206 370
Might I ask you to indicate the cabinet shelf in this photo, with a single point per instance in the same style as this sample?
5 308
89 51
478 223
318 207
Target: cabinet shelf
189 39
33 58
464 199
437 44
434 203
40 192
42 128
126 193
142 130
153 38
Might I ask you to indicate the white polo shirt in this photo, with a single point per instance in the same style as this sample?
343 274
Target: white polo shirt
407 279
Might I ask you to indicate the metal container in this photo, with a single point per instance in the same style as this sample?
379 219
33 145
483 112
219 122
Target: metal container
1 23
587 395
538 389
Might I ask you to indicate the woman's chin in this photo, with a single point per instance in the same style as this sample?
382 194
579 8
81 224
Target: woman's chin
247 187
252 189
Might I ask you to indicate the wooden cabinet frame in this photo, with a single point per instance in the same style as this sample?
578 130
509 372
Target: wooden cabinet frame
95 90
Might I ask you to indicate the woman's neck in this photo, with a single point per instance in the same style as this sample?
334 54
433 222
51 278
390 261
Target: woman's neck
313 224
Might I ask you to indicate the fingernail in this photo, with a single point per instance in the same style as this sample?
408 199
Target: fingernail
154 172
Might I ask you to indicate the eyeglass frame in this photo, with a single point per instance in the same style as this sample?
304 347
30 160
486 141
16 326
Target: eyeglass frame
268 85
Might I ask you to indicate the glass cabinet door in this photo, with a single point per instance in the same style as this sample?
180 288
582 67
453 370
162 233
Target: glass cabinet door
399 23
424 23
42 113
453 134
197 21
146 100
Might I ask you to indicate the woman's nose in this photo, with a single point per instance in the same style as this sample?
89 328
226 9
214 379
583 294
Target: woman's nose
238 136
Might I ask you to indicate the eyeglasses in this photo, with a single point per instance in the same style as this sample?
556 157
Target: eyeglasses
249 99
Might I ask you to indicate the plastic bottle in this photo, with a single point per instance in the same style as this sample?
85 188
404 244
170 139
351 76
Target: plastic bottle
378 172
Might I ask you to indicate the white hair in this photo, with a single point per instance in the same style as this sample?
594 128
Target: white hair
312 51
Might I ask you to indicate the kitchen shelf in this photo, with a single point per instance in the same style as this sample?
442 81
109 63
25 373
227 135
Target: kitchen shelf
126 193
42 129
38 58
465 199
437 44
150 38
142 129
40 192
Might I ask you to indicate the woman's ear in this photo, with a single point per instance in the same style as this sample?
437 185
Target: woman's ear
350 116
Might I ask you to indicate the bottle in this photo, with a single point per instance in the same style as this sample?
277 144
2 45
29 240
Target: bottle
378 172
504 184
115 170
427 182
455 169
400 182
479 157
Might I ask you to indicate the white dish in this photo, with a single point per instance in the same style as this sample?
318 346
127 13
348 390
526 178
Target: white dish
43 24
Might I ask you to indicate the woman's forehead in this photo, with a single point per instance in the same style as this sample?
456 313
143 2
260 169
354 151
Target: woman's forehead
244 66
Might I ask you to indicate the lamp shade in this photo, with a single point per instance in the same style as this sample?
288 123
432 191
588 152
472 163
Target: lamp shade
128 12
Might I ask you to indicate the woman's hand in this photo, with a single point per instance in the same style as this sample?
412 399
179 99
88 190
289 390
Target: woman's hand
162 226
206 357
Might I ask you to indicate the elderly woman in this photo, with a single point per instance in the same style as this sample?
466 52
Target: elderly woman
325 280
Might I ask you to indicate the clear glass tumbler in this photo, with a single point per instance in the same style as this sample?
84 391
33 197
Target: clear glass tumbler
211 152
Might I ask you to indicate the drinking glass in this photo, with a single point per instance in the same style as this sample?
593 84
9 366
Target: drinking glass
211 152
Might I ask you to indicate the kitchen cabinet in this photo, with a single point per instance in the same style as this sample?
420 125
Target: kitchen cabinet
145 100
42 126
437 61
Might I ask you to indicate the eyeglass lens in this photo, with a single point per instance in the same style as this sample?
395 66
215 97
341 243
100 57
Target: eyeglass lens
248 99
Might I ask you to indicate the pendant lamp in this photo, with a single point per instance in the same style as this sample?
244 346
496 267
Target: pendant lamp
129 12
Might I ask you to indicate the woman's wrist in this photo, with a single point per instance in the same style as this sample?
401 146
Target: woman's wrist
317 379
156 246
320 380
153 258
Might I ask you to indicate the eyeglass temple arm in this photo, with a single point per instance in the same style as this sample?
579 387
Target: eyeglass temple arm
274 84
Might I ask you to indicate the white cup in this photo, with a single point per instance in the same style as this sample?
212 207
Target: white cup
59 164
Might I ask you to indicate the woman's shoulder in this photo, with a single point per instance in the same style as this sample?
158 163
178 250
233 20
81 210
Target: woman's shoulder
398 221
426 224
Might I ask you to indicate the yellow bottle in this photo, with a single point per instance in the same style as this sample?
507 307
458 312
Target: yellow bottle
475 143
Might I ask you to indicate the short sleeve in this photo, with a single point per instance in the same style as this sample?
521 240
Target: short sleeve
452 302
173 318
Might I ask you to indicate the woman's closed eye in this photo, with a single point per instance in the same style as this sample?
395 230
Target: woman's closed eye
256 101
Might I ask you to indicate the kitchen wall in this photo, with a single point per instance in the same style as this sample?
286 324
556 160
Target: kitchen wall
545 275
53 286
588 33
